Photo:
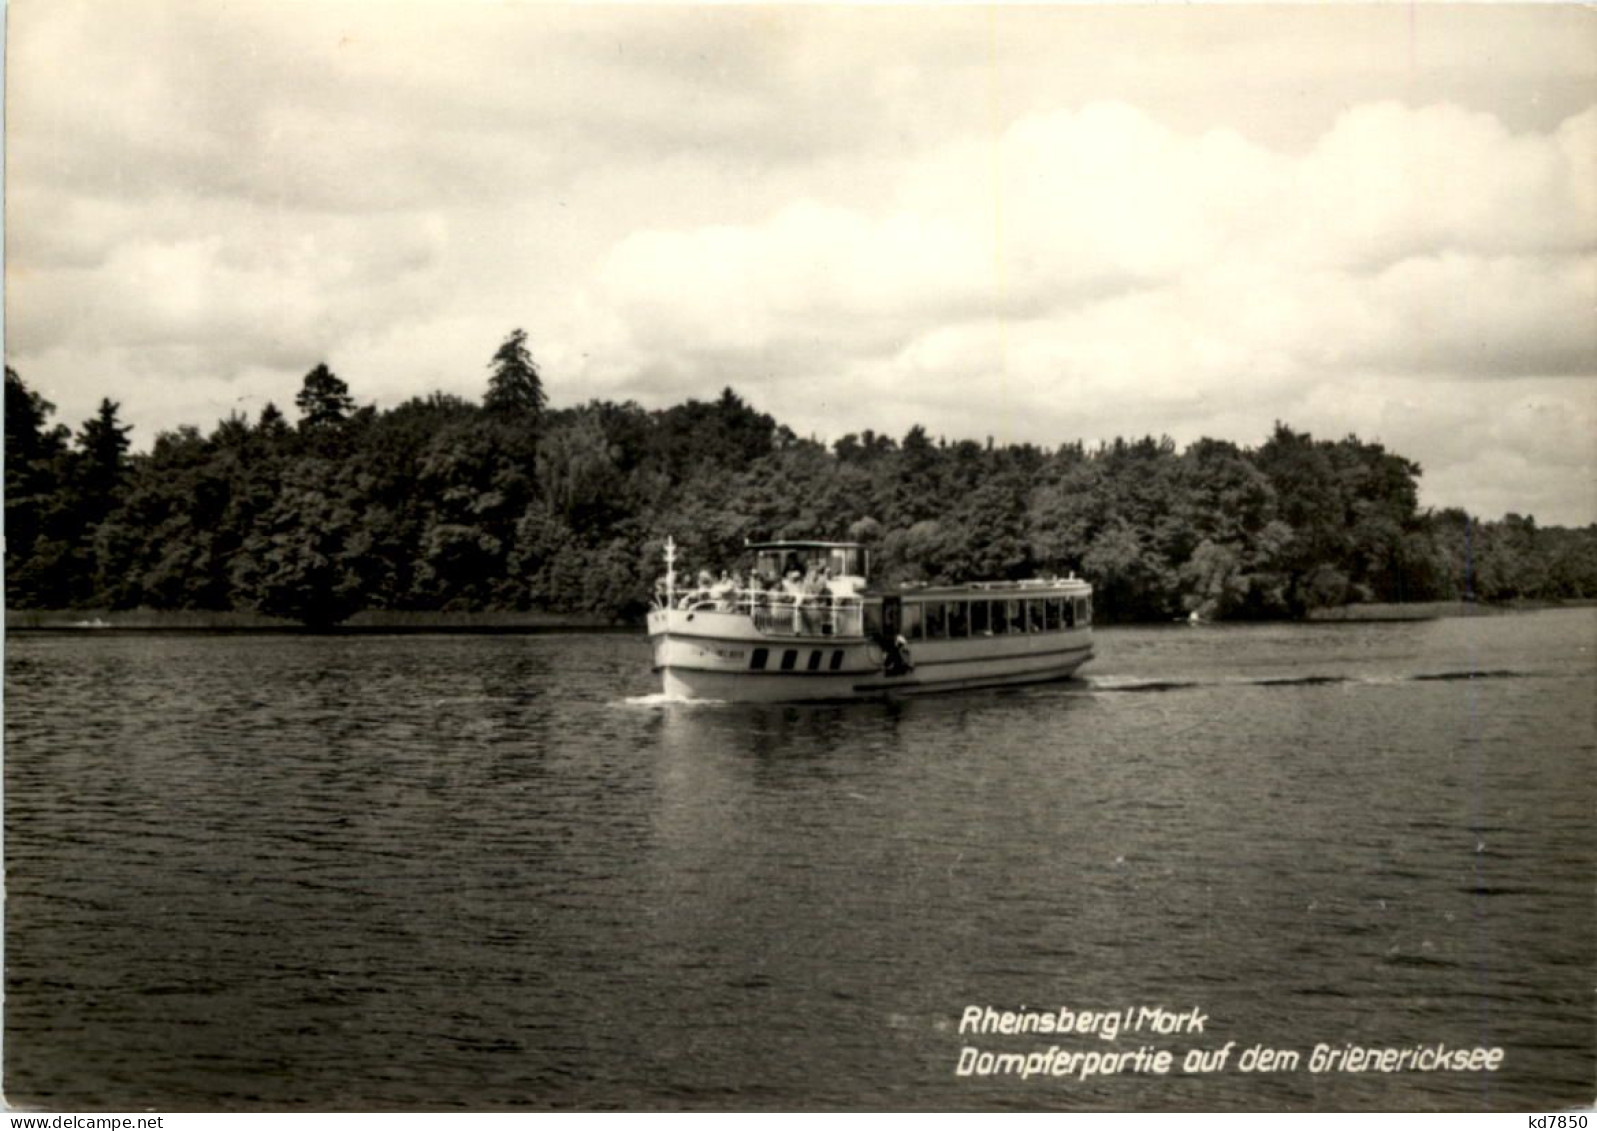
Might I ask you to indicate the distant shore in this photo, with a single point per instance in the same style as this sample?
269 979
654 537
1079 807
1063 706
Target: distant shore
370 621
1433 610
378 622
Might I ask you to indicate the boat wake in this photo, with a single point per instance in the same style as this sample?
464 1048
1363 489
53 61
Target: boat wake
1128 684
661 699
1503 674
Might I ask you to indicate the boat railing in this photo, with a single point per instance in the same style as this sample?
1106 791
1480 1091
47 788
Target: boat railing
823 615
783 614
1026 584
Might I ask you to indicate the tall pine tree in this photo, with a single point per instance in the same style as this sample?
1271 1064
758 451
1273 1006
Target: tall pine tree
102 460
323 400
514 386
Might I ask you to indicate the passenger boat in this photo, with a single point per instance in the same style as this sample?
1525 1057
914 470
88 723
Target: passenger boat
770 640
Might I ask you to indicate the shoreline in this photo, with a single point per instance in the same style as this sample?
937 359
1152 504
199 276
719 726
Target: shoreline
371 622
378 622
1432 610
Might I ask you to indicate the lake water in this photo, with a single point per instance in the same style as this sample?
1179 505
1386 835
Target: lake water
487 872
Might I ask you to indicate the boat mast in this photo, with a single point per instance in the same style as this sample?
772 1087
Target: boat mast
670 572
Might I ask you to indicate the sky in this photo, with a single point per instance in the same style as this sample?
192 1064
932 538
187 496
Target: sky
1034 223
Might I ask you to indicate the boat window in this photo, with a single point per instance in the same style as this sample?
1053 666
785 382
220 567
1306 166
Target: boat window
912 622
1051 614
979 624
936 622
1034 616
958 621
837 658
789 658
815 660
845 561
757 661
873 619
999 617
1017 615
1070 612
1086 610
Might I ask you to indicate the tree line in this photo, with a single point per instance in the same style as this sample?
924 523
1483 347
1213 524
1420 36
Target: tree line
442 503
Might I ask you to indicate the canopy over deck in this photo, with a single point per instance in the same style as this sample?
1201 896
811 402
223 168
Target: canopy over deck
802 544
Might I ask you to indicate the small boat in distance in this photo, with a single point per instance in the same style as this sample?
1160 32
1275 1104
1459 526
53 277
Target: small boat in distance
806 624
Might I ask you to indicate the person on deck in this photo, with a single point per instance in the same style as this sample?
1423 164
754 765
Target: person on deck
812 600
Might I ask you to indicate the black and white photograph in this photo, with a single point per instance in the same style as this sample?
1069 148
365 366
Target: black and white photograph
799 558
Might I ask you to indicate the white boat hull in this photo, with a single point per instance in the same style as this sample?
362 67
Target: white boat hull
712 655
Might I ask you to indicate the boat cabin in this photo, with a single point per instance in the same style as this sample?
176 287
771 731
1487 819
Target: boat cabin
994 609
847 563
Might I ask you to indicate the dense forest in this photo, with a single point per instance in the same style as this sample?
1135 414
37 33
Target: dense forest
444 504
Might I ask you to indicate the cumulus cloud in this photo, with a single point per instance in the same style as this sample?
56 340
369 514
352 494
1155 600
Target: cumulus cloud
1072 205
217 283
1388 182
